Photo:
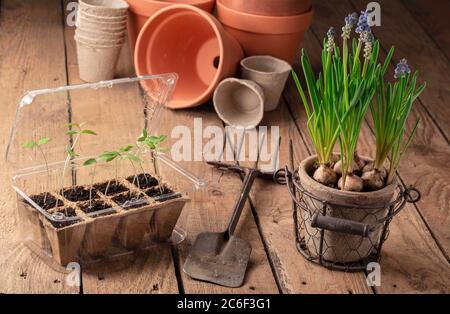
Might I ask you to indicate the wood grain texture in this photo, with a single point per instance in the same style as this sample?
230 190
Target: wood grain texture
153 272
409 227
211 209
30 57
433 17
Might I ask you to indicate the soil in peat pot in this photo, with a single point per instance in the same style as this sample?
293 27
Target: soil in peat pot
160 191
46 202
68 212
79 194
130 200
143 181
96 206
115 187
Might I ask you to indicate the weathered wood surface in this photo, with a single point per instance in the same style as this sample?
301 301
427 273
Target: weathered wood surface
42 53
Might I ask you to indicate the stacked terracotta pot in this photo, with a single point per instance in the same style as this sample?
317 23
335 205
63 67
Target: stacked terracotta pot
100 34
267 27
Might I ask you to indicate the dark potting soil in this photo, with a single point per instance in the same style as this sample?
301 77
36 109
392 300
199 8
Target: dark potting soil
160 191
46 203
130 200
68 212
79 194
145 181
115 187
96 206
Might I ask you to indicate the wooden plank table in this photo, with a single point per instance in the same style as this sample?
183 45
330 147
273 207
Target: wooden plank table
37 50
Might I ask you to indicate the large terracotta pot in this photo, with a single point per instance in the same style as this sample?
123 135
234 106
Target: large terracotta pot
192 43
141 10
269 7
353 206
278 36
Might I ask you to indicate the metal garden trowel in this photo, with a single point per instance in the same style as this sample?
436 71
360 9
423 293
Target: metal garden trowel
222 258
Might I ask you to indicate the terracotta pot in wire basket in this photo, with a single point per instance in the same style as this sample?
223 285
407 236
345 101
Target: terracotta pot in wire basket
339 229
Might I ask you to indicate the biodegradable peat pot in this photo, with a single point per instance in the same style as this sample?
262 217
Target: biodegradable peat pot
277 36
165 218
99 41
133 227
192 43
99 235
65 242
141 10
97 63
340 247
269 7
103 19
106 8
270 73
239 103
95 35
100 26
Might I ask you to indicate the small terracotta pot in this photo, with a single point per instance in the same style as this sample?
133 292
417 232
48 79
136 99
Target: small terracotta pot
239 103
108 8
270 73
269 7
141 10
342 247
192 43
97 63
277 36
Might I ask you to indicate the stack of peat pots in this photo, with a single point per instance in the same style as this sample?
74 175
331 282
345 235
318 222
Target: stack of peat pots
100 34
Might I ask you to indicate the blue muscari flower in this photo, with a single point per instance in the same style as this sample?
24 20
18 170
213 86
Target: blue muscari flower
331 32
402 69
363 25
351 19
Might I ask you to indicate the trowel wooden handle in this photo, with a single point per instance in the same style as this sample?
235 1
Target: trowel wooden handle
249 179
340 225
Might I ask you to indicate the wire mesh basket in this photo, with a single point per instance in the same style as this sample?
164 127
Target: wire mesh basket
341 236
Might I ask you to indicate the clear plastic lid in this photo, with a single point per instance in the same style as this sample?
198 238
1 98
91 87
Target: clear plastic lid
57 130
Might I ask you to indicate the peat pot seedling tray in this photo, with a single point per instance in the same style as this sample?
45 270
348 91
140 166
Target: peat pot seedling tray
90 184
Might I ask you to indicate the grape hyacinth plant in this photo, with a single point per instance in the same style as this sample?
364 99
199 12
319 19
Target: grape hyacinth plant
390 111
340 97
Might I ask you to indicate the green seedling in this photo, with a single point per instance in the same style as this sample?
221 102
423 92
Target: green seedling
390 111
76 130
124 153
38 145
153 143
90 162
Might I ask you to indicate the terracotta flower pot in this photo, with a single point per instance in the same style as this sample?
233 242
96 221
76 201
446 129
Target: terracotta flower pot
141 10
342 247
192 43
277 36
108 8
269 7
270 73
239 103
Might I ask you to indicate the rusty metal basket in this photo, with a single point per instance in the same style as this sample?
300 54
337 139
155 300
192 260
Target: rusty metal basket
330 237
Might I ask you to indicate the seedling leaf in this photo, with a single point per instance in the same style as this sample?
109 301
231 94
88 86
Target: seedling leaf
30 144
89 132
43 141
90 162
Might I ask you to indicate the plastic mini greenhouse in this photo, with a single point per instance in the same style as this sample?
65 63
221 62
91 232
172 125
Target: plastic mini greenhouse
72 209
